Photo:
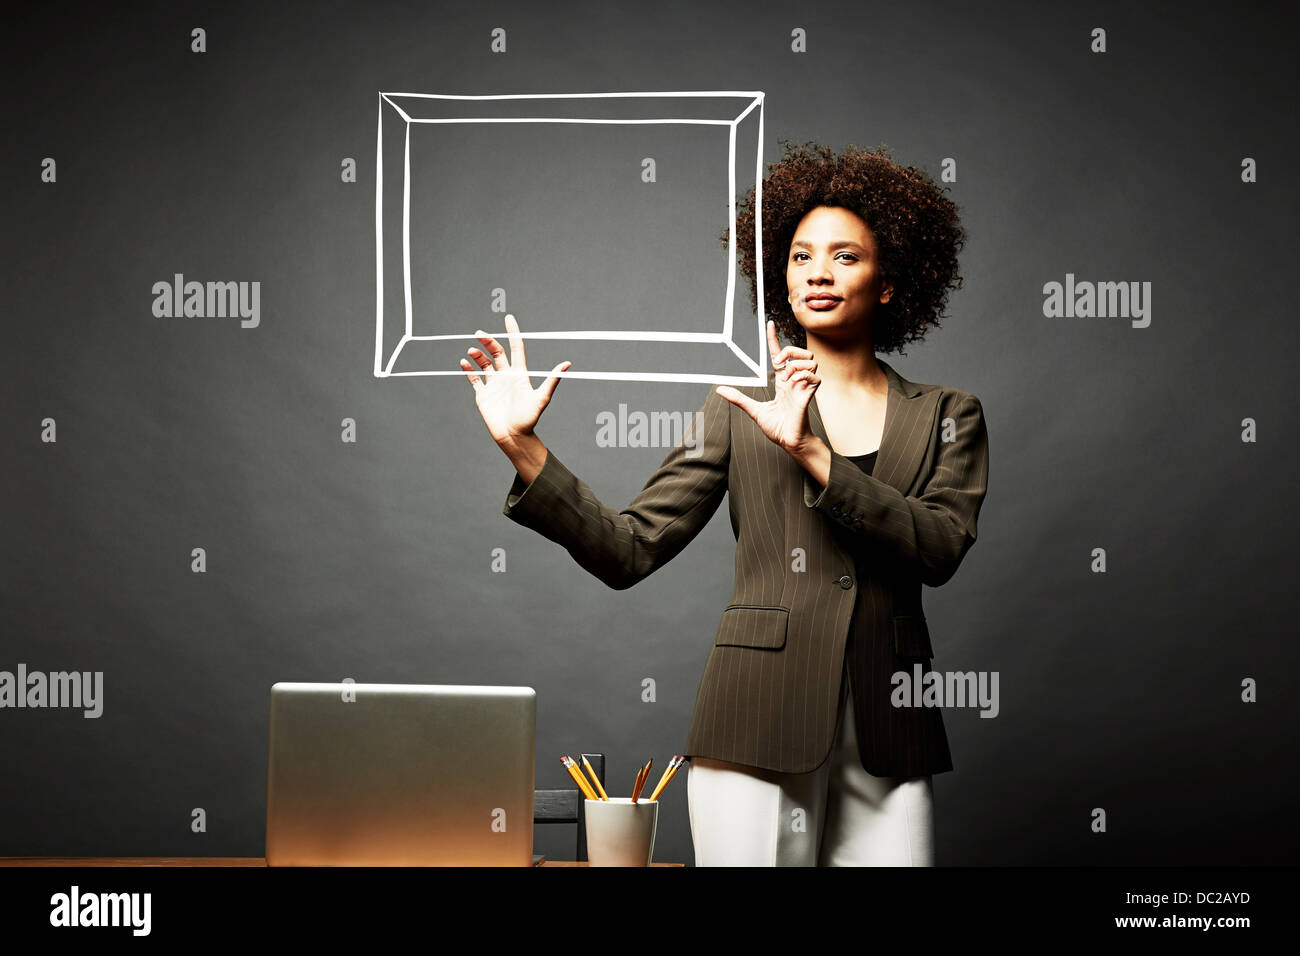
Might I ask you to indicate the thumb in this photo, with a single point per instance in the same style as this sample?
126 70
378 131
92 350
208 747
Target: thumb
744 402
548 387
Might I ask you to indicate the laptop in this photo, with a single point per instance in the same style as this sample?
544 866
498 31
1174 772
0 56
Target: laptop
401 775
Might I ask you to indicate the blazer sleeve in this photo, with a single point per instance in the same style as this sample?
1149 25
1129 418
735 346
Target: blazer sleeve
931 533
623 547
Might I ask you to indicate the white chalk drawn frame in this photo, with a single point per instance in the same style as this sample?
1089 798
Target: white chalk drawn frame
404 104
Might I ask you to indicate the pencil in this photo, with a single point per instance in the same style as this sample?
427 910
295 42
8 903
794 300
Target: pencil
673 773
578 778
664 779
640 779
636 786
595 779
668 775
590 788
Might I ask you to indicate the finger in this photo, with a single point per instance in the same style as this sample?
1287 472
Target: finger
773 346
804 376
548 387
789 352
787 373
479 357
803 394
792 365
494 349
473 379
517 358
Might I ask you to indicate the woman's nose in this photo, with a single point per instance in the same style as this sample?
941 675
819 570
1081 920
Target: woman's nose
821 269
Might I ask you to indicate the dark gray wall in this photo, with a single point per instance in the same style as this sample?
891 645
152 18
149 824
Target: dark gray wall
371 560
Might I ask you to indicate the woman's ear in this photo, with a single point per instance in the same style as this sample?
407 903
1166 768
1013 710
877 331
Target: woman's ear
886 293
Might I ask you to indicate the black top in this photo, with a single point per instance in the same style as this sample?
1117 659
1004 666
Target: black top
865 462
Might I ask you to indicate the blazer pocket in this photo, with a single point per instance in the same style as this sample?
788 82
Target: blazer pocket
753 625
911 636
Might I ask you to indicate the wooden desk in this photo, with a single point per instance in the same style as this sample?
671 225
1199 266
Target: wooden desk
185 861
572 863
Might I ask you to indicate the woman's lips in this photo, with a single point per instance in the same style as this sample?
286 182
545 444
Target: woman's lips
821 304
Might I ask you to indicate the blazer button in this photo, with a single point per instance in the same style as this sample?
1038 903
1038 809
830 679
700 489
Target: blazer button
835 510
846 582
857 523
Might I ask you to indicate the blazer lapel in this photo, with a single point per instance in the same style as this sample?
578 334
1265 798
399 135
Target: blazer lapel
903 442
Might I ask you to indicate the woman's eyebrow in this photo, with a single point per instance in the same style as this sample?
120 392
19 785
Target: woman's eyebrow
833 245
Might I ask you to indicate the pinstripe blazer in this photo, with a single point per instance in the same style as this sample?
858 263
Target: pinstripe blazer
827 579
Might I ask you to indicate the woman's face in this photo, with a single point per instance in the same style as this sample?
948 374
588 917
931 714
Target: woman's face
833 276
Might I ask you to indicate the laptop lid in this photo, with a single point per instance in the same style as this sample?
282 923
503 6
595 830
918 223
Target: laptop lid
400 775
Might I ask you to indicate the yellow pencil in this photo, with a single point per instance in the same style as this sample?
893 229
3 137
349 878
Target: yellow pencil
590 788
674 771
640 779
668 775
594 779
578 778
576 772
636 785
659 786
578 767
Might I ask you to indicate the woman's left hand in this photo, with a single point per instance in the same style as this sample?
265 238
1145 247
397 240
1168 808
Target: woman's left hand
784 420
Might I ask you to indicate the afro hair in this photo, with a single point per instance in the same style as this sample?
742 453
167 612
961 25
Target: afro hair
915 226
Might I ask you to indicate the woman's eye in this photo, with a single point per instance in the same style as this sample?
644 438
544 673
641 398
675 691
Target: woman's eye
800 256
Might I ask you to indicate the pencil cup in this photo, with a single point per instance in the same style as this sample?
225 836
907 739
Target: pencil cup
620 832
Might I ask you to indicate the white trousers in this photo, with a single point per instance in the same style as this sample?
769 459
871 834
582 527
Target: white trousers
836 815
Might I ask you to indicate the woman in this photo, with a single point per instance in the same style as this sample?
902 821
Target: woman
850 487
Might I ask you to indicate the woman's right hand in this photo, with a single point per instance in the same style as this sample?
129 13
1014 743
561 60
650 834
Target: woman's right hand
510 406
